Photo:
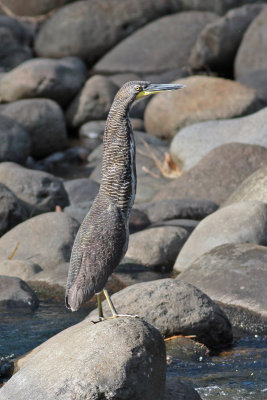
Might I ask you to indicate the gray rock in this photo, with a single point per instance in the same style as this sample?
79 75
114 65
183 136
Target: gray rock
174 306
256 80
238 223
177 208
81 190
12 211
58 80
39 191
199 101
138 220
252 53
218 42
20 29
15 293
170 49
93 102
67 31
46 240
217 174
178 390
78 211
15 141
192 143
57 275
33 7
157 248
22 269
252 188
44 121
136 371
218 6
188 224
234 274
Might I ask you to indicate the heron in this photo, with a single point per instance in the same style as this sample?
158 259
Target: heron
102 239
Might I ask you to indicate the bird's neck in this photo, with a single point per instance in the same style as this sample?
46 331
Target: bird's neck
118 169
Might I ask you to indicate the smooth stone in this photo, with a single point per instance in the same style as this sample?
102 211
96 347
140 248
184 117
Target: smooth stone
15 293
67 31
236 223
57 275
177 208
173 307
252 52
44 121
78 211
23 269
88 353
188 224
157 248
217 174
138 220
12 211
218 6
218 42
58 80
81 190
192 143
256 80
33 7
46 240
178 390
133 54
234 274
15 141
198 101
92 102
254 187
39 191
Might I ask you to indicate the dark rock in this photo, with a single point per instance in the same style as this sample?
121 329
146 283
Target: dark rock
186 349
12 211
238 223
174 306
93 102
33 7
43 119
256 80
81 190
23 269
39 191
218 42
178 390
170 49
58 80
136 371
218 174
178 208
192 143
252 188
199 101
78 211
252 53
46 240
157 248
234 274
138 220
15 141
15 293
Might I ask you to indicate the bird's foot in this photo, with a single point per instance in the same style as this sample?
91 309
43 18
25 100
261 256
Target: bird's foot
100 319
123 315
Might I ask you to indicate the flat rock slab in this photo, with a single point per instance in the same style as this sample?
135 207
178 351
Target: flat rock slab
192 143
15 293
204 98
174 306
217 174
237 223
45 240
120 358
234 274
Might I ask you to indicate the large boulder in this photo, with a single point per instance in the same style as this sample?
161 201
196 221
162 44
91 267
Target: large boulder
234 274
39 191
192 143
58 80
217 174
15 293
12 211
218 42
33 7
46 240
173 307
257 80
237 223
15 141
23 269
252 188
204 98
44 121
88 29
118 358
81 190
147 53
252 53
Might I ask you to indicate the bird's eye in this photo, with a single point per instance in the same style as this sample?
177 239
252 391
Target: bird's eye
138 88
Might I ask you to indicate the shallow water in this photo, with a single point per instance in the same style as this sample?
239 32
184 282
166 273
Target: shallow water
239 373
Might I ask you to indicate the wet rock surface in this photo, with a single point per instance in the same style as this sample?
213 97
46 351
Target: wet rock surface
15 293
178 390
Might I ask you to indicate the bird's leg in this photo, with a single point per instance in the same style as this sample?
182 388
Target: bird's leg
114 312
99 305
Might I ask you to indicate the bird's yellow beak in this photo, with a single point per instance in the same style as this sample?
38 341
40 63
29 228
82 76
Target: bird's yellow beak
156 88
